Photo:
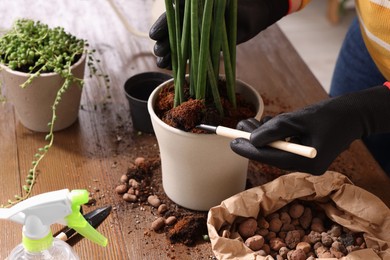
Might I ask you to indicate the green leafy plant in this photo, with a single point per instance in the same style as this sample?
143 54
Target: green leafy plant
35 48
206 28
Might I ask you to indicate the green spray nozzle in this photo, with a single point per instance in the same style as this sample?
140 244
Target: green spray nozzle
37 213
76 220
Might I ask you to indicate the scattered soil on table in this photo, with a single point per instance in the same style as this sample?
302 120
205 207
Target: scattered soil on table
188 230
143 180
194 112
140 182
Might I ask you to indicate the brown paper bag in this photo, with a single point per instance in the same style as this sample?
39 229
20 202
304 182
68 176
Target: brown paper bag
352 207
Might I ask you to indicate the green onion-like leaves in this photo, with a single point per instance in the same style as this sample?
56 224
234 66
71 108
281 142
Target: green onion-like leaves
203 26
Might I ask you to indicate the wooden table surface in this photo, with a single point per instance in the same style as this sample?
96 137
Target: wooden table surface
98 149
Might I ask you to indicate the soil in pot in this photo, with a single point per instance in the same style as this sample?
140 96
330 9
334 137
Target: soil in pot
194 112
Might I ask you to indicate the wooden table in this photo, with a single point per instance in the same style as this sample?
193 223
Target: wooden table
98 149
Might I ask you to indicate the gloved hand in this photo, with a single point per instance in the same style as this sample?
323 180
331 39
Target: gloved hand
329 126
253 16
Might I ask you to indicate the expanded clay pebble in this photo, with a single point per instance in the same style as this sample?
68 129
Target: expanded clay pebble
120 189
296 210
124 178
158 224
162 209
132 185
255 243
299 231
171 220
139 161
248 227
129 197
154 201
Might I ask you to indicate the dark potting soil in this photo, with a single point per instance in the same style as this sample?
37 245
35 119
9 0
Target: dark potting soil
190 227
194 112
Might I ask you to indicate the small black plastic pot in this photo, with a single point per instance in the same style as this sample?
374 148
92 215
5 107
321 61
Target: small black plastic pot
138 89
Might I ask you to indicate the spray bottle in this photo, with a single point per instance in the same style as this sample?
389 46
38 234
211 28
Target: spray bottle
37 213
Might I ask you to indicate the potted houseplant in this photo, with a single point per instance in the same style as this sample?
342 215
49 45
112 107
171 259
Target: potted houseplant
42 71
200 170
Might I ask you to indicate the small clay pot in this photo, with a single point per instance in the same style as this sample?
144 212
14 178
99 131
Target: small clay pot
138 89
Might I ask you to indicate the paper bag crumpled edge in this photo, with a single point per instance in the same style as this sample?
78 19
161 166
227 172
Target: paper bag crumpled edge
353 207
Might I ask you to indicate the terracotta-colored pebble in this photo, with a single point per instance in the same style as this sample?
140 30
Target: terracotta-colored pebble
158 224
120 189
131 191
276 243
170 220
266 248
162 208
336 253
133 183
275 225
283 252
139 161
296 210
263 223
340 247
335 231
326 239
270 235
318 227
317 245
282 234
314 237
248 227
129 197
305 219
154 201
297 255
304 246
287 227
263 232
255 243
285 218
124 178
320 250
293 238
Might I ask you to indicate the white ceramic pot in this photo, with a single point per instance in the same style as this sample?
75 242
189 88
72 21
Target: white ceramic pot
33 103
200 170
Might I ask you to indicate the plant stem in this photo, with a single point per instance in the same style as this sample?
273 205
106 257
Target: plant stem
204 49
194 44
220 6
230 80
172 41
185 38
179 96
214 86
32 175
232 34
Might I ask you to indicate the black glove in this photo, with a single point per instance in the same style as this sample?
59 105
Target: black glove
253 16
330 127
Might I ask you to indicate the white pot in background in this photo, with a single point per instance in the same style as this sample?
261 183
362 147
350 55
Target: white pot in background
200 170
33 103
